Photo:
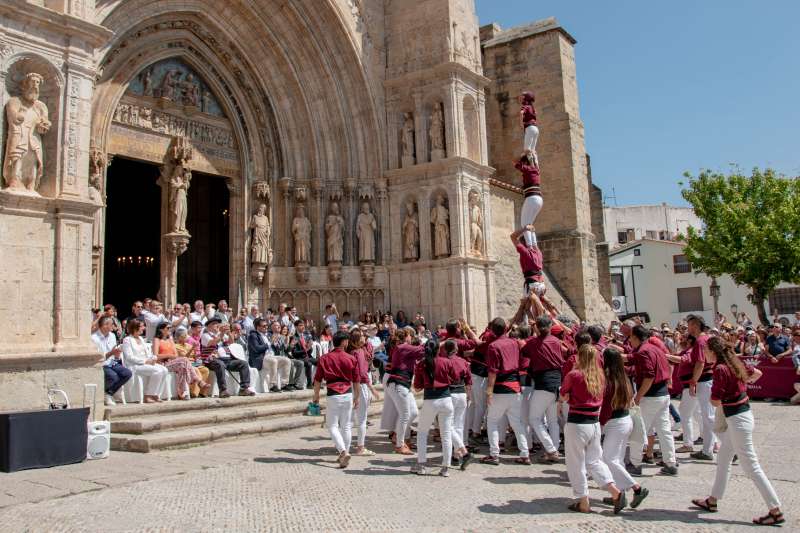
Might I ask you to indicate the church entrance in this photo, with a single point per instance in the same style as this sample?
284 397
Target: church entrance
133 233
203 268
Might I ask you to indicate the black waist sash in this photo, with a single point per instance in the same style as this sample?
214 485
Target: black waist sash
401 377
736 406
548 380
437 393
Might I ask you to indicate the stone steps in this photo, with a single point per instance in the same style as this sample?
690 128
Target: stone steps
177 424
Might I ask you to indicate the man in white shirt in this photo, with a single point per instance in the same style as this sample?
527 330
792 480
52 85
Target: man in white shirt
262 356
116 375
152 318
199 313
331 317
217 337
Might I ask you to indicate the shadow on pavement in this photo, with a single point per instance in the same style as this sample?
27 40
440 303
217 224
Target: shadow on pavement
527 480
289 461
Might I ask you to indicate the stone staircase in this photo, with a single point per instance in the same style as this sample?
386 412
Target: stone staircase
178 424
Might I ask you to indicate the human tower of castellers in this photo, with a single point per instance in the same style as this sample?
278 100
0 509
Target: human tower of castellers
610 399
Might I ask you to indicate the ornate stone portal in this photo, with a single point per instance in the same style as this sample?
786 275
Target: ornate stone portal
175 180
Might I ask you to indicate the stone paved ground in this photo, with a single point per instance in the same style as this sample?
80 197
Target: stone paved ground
288 482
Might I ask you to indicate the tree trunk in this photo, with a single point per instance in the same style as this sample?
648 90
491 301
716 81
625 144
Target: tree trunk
758 301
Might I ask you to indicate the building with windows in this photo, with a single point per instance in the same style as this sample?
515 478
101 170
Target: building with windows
654 222
653 278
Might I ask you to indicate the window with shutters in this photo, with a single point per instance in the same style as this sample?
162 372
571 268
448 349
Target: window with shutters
680 264
690 299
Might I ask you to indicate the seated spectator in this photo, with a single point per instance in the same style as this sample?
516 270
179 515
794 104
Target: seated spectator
262 356
331 316
379 356
139 358
115 373
199 313
326 336
237 333
401 319
153 316
302 346
178 318
224 312
777 344
190 351
216 337
165 350
279 339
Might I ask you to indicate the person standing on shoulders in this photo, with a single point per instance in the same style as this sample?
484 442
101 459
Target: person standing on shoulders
729 394
338 370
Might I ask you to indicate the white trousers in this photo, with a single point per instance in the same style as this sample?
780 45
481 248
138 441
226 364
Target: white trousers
507 405
389 412
459 417
544 405
277 368
655 413
689 412
615 440
582 447
407 410
477 409
531 138
338 419
153 377
706 415
530 210
443 408
738 440
525 414
360 414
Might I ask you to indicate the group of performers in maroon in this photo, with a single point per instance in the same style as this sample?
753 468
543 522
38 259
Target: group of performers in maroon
544 378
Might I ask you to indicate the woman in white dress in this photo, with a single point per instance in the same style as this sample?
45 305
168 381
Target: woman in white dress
139 358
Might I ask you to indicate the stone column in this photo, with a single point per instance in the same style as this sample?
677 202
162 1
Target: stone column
459 229
424 210
318 217
286 191
349 214
238 231
392 117
384 232
482 121
420 129
452 124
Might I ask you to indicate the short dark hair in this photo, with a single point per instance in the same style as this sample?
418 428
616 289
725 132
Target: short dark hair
133 325
544 323
595 332
450 346
298 322
339 337
582 338
523 331
103 320
258 321
451 326
195 323
498 326
699 319
641 333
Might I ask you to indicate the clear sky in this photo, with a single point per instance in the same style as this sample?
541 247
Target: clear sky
671 86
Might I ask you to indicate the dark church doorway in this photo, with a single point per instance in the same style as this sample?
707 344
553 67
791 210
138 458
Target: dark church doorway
203 268
133 233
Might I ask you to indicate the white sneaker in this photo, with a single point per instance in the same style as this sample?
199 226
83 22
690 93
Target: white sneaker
110 400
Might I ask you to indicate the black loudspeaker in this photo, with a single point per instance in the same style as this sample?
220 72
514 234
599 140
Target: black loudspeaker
39 439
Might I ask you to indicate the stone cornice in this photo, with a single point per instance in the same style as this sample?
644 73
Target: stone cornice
443 71
62 23
436 169
30 205
500 184
26 362
433 264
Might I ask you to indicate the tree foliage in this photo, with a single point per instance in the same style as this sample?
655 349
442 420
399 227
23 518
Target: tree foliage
751 229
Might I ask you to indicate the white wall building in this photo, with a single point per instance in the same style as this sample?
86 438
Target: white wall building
654 277
655 222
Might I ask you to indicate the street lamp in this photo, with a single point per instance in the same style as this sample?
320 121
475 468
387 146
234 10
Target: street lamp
714 291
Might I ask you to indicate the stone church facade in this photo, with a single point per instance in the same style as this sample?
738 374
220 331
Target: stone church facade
305 152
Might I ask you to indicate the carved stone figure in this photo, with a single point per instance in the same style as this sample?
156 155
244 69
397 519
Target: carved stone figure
260 251
301 231
27 121
365 232
206 102
407 139
441 228
437 133
190 91
179 186
169 84
475 224
334 235
147 82
410 234
97 163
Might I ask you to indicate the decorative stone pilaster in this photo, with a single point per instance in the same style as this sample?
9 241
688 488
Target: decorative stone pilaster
318 217
350 220
285 185
383 234
420 128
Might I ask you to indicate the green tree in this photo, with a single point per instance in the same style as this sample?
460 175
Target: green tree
751 229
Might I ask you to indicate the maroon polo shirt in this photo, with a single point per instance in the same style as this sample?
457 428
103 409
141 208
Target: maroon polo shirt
650 362
478 360
338 369
502 358
363 359
698 355
530 261
463 345
528 115
580 400
444 374
464 376
405 357
728 388
530 174
544 353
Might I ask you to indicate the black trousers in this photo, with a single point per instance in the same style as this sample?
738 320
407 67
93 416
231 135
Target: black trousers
218 367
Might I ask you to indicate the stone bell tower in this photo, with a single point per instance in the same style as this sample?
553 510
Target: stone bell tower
438 176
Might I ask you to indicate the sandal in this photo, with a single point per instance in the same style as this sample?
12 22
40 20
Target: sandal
620 503
364 452
522 460
490 460
770 519
403 450
576 507
705 504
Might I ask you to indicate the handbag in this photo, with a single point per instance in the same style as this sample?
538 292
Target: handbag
720 422
638 433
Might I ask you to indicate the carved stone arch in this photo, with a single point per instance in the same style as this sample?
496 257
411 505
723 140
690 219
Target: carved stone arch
50 92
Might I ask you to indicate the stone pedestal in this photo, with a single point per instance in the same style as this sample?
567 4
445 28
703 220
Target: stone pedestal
407 161
437 155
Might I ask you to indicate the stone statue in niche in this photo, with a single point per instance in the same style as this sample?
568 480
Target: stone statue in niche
366 225
334 235
97 163
407 140
260 251
206 108
410 234
301 231
147 82
440 219
437 133
169 85
178 188
475 224
27 117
